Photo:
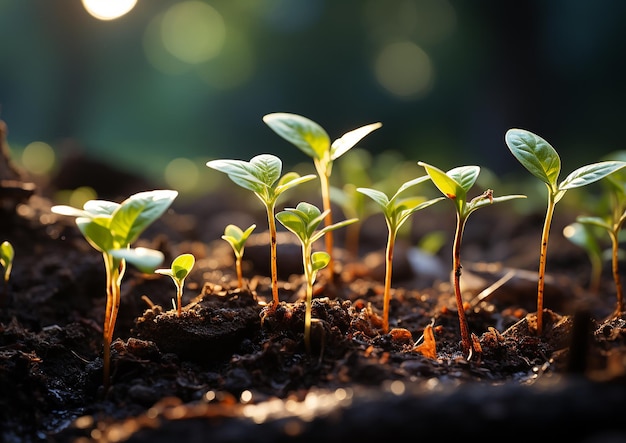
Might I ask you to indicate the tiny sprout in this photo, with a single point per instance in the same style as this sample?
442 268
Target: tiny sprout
455 184
261 175
110 228
314 141
303 220
237 240
397 212
542 161
7 254
179 270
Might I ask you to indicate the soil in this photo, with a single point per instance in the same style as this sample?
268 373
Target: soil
230 369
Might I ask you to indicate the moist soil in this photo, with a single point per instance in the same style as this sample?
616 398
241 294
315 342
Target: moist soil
233 367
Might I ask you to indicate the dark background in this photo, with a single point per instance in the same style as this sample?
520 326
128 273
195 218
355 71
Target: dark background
554 67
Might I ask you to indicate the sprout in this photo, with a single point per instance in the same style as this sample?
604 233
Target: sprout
303 220
582 234
237 240
179 270
313 140
397 212
455 184
261 175
7 254
542 161
111 228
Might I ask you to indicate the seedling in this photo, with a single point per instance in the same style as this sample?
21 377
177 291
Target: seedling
237 240
455 184
396 211
7 254
542 161
303 221
314 141
583 235
179 270
612 223
111 228
261 175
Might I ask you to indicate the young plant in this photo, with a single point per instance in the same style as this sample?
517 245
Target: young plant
111 228
7 254
314 141
542 161
237 240
261 175
303 221
396 211
612 222
455 184
179 270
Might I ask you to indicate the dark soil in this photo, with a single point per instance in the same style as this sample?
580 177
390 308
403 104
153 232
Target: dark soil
230 370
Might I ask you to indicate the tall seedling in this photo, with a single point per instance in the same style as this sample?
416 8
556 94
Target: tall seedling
396 211
261 175
542 161
314 141
111 228
455 184
303 221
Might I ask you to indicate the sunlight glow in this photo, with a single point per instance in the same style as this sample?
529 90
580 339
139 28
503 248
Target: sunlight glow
38 158
193 31
108 9
182 174
404 69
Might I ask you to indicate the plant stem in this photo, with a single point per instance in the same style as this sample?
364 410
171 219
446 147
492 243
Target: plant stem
619 308
308 275
273 241
388 273
179 297
542 260
328 220
239 271
466 342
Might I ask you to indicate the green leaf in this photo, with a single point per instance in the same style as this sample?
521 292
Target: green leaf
590 173
293 222
349 139
319 234
240 172
304 133
409 184
97 235
465 176
580 234
144 259
535 154
595 221
445 183
290 180
319 260
137 212
267 168
100 207
236 237
379 197
182 265
486 201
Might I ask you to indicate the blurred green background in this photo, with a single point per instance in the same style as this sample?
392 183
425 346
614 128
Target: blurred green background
172 84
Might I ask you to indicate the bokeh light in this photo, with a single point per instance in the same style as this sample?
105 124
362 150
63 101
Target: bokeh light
108 9
193 31
38 158
404 69
182 174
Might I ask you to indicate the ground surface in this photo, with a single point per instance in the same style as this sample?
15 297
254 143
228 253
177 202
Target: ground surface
228 371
